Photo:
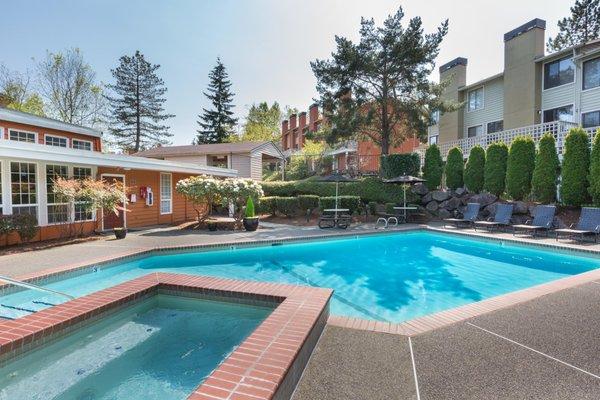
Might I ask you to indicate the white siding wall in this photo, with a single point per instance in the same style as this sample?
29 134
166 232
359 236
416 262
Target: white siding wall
559 96
493 106
256 166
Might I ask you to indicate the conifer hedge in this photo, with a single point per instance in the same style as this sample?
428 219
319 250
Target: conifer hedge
595 170
575 168
454 168
495 168
546 171
433 168
475 169
519 167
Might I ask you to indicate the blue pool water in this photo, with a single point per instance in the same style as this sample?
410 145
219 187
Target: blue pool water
393 277
161 348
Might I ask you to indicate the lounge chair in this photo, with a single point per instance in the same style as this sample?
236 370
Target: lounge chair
330 220
469 216
500 220
542 221
588 225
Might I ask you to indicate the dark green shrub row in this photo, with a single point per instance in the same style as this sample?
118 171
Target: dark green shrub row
595 170
575 168
308 202
393 165
546 171
433 168
475 170
350 202
288 206
454 168
494 176
267 205
519 169
25 225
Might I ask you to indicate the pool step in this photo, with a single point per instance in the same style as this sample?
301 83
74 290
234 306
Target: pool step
8 311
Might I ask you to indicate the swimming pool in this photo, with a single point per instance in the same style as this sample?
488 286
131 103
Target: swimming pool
161 348
393 277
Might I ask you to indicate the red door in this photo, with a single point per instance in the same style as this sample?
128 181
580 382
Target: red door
110 219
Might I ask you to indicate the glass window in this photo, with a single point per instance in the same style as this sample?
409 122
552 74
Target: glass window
82 172
56 141
475 131
82 145
590 119
23 185
435 117
58 208
21 136
591 74
564 113
559 72
433 139
165 194
81 211
496 126
475 98
1 205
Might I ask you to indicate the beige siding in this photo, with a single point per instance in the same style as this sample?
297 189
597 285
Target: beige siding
590 100
198 160
433 130
559 96
256 166
493 106
241 163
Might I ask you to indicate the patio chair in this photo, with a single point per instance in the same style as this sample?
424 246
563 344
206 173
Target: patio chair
500 220
469 216
329 220
588 225
542 221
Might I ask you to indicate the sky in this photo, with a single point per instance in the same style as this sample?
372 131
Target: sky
266 45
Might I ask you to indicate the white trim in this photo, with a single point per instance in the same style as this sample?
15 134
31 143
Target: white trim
38 190
46 205
35 120
160 193
564 84
491 122
2 131
554 108
56 136
583 78
37 137
83 141
124 201
473 126
587 112
482 87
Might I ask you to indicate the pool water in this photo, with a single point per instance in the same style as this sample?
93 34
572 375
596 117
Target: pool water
393 277
161 348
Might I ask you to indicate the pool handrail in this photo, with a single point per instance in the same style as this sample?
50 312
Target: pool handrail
33 287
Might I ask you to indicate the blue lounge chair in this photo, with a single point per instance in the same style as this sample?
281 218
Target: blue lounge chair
588 225
469 216
501 218
543 221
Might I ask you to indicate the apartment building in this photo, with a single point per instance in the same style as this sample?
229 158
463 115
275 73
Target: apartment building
533 94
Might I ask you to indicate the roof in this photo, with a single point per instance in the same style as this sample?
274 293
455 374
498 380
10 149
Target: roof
566 51
37 152
201 149
20 117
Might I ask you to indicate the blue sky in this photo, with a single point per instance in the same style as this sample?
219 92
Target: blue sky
266 44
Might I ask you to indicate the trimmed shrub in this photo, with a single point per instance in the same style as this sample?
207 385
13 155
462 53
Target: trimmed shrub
546 171
249 212
393 165
268 205
575 168
595 170
475 170
350 202
287 206
308 202
494 174
372 206
25 225
6 224
433 167
519 167
454 168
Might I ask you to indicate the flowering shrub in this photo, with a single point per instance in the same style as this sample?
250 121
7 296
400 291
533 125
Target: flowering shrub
93 194
237 190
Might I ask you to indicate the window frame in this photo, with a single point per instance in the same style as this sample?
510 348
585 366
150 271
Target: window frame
46 135
590 112
83 141
474 126
555 108
558 60
436 141
487 126
583 89
14 206
74 210
35 135
482 88
170 199
48 193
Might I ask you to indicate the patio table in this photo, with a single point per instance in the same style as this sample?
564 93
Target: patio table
340 217
405 209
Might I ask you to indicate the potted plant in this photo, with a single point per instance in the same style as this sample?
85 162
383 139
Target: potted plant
120 233
250 219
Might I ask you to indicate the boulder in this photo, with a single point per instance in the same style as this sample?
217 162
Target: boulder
483 198
432 206
440 195
518 219
443 214
460 191
420 189
520 207
451 204
490 209
531 209
426 199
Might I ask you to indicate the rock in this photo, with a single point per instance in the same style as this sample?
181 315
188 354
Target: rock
442 213
490 209
460 191
451 204
520 207
432 206
426 199
531 208
558 223
483 198
420 189
440 195
519 219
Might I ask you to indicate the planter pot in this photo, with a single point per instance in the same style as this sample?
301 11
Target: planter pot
250 224
212 227
120 233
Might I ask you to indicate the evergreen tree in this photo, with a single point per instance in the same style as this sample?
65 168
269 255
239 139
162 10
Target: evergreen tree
519 167
433 169
455 165
574 189
137 105
594 175
494 174
218 123
582 26
546 171
475 169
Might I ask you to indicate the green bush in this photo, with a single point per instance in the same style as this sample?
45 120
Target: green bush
268 205
297 168
25 225
454 168
249 212
350 202
575 168
433 168
546 171
308 202
287 206
393 165
6 224
372 206
595 170
496 157
389 208
519 167
475 170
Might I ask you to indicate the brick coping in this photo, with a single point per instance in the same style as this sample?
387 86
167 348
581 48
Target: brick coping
257 369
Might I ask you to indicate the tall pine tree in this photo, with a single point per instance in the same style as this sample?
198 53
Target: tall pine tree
137 105
217 123
582 26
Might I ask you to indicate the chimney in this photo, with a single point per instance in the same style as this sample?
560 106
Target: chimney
313 115
451 124
284 127
293 121
522 75
302 120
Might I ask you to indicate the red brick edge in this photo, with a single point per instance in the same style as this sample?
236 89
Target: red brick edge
266 365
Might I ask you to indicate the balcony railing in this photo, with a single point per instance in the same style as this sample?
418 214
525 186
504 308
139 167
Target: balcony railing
558 128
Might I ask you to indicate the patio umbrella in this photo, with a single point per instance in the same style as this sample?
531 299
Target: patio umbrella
405 180
337 178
